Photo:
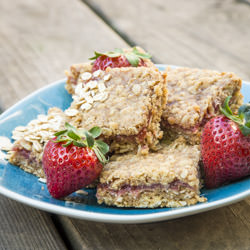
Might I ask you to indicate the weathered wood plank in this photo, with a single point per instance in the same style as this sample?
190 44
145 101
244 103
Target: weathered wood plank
23 227
208 34
224 228
38 41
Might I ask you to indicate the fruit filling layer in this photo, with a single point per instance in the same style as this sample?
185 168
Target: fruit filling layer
176 185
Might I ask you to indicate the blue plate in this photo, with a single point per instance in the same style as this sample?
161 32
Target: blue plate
24 187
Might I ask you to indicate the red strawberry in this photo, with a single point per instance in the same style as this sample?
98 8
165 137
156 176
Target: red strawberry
226 146
119 58
73 160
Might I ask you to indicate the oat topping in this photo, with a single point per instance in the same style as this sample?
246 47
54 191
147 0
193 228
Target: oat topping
86 106
71 112
107 77
85 76
97 73
5 143
90 92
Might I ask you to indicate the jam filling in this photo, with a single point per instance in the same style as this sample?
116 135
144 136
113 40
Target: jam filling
175 185
27 155
195 129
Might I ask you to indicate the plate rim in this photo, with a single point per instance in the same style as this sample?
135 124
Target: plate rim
124 219
113 218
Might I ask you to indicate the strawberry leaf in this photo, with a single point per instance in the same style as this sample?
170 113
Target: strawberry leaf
244 112
95 132
243 117
226 107
104 148
112 54
97 54
100 156
90 139
79 144
60 132
245 130
61 139
69 142
133 59
140 54
118 50
70 127
73 135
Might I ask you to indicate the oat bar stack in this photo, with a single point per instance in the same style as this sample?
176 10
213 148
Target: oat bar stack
168 178
194 96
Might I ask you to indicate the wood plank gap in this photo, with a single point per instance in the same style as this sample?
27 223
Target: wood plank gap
68 232
107 21
247 2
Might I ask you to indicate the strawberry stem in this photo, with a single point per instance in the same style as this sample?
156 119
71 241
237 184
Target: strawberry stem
242 118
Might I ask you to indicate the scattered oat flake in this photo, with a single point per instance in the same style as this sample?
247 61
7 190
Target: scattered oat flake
5 143
107 77
86 106
20 128
98 97
43 180
37 146
101 86
78 88
82 192
71 112
89 99
68 202
42 118
91 84
104 97
86 76
97 73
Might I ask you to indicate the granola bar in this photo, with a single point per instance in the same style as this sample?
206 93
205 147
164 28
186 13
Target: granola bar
27 149
125 102
167 178
194 96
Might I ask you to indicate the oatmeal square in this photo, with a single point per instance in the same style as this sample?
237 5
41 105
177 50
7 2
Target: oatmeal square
194 97
167 178
126 103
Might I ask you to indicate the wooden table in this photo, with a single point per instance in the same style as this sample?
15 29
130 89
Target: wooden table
40 39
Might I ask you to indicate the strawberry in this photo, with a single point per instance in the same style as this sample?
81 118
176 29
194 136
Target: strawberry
225 146
73 160
119 58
